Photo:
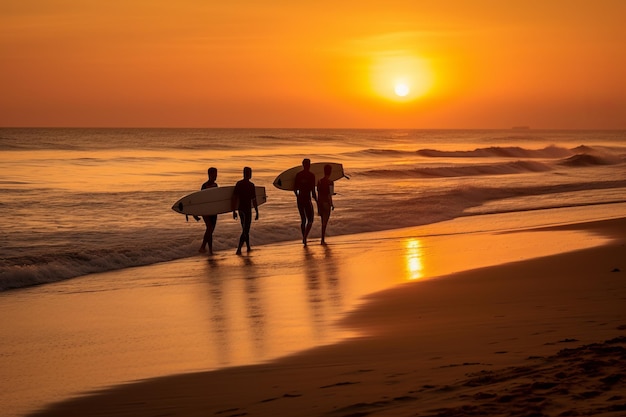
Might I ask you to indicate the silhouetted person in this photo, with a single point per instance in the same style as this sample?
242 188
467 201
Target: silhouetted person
209 221
304 188
325 199
244 198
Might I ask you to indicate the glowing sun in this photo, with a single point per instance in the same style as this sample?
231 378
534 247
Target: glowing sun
401 78
402 90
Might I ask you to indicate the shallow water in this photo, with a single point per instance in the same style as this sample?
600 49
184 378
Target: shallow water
79 201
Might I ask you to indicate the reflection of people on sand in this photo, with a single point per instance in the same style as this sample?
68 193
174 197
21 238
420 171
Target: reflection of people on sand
210 221
323 292
219 318
304 188
256 313
325 199
244 198
238 326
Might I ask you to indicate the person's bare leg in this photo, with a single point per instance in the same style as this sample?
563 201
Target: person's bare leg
324 224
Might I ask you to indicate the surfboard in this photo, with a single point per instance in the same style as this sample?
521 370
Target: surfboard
211 201
286 179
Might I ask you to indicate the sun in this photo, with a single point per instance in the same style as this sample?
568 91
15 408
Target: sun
401 89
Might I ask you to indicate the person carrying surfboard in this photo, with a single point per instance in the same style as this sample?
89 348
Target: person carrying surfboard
304 189
325 199
244 198
209 221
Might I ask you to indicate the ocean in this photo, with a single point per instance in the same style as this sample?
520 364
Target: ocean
80 201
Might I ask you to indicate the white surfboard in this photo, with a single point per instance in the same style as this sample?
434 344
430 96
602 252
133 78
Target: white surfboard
286 180
211 201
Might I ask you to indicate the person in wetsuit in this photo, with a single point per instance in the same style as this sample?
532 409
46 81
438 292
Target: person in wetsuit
209 221
244 198
304 189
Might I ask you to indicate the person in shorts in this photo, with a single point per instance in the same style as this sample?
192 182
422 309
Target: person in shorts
304 189
325 199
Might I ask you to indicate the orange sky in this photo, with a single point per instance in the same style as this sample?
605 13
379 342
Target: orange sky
280 63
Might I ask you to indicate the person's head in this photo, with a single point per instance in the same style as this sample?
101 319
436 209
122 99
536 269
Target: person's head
328 169
212 173
247 173
306 163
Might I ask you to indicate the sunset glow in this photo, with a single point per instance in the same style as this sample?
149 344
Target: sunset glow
449 64
401 77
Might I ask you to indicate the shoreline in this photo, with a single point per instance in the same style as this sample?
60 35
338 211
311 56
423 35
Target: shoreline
24 277
433 347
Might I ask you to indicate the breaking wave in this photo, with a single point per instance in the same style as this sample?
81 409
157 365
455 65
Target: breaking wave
501 152
509 168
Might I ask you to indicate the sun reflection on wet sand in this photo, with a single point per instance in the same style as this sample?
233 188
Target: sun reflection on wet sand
414 257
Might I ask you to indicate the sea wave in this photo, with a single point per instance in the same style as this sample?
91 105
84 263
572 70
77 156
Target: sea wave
508 168
590 156
149 246
25 271
501 152
583 160
378 153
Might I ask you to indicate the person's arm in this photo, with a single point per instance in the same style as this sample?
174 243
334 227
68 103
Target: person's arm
296 185
234 201
330 194
313 187
197 218
254 203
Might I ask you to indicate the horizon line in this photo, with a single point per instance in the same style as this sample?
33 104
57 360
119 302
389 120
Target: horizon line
513 128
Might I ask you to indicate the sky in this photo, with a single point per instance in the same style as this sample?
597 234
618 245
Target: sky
448 64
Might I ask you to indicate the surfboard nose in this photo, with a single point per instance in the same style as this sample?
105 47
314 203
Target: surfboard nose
178 207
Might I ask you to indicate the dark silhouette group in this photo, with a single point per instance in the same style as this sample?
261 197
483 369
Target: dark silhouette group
244 200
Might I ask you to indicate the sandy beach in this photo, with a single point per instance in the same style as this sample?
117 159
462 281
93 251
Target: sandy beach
518 321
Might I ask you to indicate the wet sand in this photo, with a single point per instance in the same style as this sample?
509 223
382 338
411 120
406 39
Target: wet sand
413 322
